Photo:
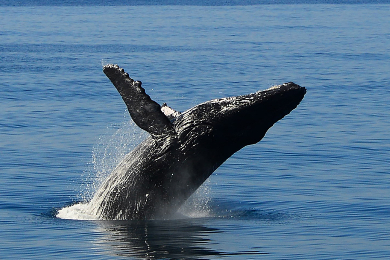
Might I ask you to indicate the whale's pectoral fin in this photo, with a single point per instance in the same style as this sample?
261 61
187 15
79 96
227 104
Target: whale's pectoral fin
170 112
145 112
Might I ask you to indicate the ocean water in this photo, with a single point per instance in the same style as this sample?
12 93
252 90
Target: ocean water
316 187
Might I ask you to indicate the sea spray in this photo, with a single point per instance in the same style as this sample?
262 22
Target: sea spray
198 205
106 155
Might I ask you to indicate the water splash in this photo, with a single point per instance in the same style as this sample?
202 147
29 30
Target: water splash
106 155
80 211
198 205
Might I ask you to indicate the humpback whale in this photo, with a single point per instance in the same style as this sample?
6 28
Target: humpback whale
183 149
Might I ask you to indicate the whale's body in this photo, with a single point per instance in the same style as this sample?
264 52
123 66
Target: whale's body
183 149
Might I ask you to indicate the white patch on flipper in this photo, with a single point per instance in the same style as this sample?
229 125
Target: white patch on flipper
169 112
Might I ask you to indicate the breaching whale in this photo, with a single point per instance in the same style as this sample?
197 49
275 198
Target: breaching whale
183 149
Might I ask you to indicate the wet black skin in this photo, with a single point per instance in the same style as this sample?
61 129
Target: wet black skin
157 177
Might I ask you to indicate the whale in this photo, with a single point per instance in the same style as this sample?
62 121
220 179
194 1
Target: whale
183 148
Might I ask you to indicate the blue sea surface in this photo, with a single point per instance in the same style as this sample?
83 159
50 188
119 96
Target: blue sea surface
316 187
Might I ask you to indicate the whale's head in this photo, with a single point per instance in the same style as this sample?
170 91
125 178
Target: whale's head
240 120
220 126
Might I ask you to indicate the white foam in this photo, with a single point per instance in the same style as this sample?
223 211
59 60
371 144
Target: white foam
80 211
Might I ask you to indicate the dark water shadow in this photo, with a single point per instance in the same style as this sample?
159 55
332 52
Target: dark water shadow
162 239
158 239
183 237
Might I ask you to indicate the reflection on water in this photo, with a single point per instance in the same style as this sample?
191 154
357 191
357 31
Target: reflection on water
157 239
173 239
